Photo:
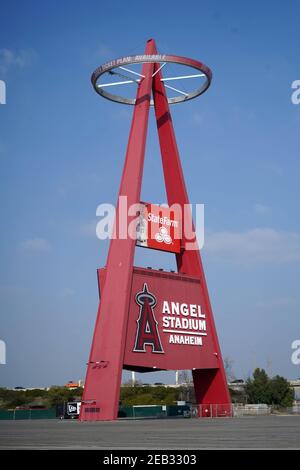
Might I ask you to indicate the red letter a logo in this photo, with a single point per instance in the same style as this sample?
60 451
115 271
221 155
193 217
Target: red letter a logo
147 331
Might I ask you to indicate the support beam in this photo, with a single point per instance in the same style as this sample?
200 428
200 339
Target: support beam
210 386
102 384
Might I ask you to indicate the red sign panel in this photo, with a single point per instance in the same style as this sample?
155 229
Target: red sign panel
168 327
159 228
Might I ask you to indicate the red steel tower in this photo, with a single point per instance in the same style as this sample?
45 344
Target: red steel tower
151 320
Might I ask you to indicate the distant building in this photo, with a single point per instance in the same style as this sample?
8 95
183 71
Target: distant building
73 385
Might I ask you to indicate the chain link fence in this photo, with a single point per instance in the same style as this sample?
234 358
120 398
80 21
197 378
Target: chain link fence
212 411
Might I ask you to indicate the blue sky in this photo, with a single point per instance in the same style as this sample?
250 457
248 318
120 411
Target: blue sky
62 148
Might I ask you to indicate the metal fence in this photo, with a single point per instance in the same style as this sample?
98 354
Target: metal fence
292 410
251 409
212 410
164 411
216 410
27 414
154 411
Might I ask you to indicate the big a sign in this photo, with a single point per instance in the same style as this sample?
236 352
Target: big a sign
159 228
168 323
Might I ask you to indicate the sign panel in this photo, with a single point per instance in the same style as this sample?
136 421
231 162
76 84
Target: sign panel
159 228
168 326
73 408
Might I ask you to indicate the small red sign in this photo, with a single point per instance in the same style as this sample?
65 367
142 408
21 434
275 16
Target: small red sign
159 228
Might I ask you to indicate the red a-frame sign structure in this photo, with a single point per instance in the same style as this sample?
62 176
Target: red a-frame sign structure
151 320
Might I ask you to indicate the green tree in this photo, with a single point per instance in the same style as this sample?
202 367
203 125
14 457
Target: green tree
48 398
275 391
148 395
281 392
57 395
258 389
237 396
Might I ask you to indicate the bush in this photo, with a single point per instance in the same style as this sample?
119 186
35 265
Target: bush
148 396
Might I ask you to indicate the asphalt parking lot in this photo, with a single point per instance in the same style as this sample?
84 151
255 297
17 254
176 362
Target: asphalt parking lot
277 432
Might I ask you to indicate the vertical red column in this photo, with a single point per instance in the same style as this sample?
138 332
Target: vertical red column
210 384
104 372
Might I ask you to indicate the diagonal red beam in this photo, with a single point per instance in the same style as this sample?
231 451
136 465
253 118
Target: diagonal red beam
209 385
102 384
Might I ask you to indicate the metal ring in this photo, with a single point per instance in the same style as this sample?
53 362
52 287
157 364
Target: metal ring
155 58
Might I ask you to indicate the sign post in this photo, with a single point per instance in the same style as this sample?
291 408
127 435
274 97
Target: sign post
151 320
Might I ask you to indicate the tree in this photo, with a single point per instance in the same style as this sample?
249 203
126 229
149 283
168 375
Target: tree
281 392
237 396
228 363
148 395
275 391
57 395
185 377
258 389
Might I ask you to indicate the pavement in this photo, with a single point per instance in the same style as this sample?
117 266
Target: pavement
266 432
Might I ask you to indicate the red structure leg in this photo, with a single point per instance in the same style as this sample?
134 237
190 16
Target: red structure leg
104 372
109 345
210 384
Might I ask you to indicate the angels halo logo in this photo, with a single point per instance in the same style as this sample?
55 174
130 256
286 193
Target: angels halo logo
147 325
163 236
